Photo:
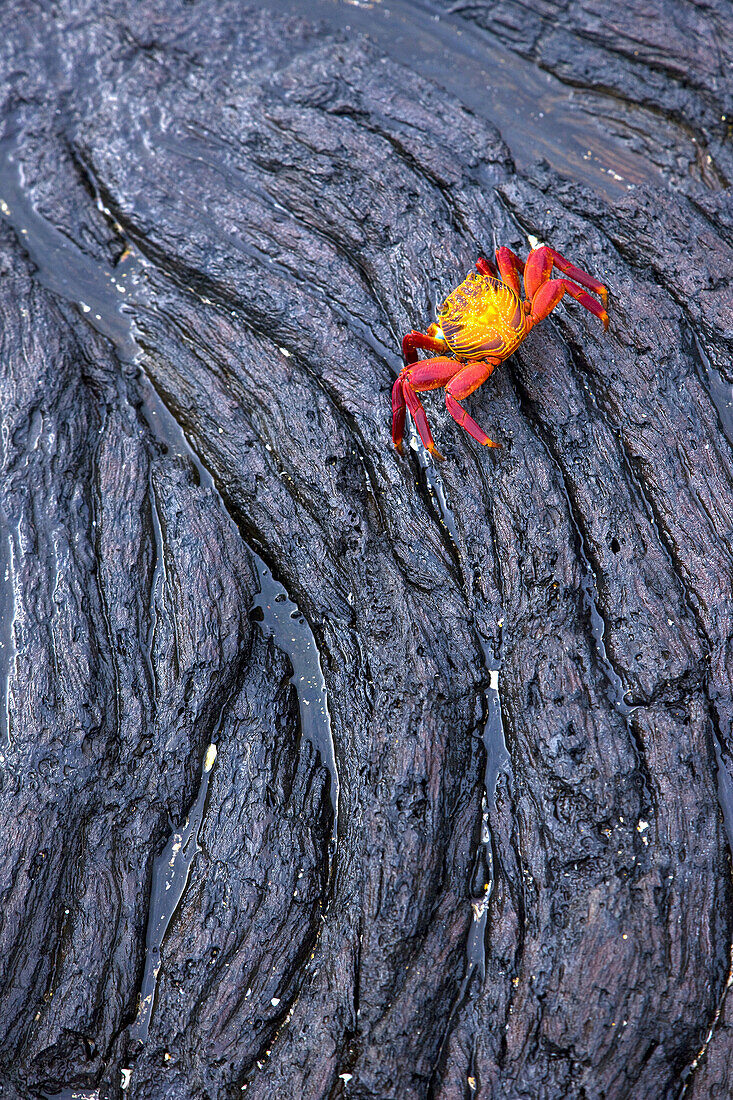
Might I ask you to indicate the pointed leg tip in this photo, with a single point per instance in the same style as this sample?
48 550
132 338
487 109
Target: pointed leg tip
604 319
491 443
436 454
400 449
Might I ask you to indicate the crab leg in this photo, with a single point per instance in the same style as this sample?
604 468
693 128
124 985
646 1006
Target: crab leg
468 379
486 267
550 293
510 268
414 340
421 420
580 276
538 269
430 374
585 300
399 412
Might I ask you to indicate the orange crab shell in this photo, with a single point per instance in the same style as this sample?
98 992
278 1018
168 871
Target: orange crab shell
481 323
482 316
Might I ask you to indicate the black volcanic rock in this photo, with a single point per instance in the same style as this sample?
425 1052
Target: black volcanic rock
276 196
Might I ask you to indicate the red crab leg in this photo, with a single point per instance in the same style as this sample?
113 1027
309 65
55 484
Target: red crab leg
430 374
579 276
510 268
585 300
539 268
421 420
399 411
550 293
414 340
460 386
410 344
486 267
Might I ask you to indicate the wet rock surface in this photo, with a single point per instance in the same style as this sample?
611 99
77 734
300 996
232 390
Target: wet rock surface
539 910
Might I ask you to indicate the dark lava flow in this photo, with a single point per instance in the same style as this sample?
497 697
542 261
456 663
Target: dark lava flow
97 293
546 913
66 270
536 115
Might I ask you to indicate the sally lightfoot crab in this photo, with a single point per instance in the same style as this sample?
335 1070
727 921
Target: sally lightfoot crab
479 325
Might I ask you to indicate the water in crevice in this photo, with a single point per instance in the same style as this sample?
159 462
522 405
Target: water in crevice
616 691
8 649
105 297
72 1094
274 609
718 390
170 878
497 762
436 489
494 739
282 620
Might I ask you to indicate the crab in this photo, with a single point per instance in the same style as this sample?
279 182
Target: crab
479 325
